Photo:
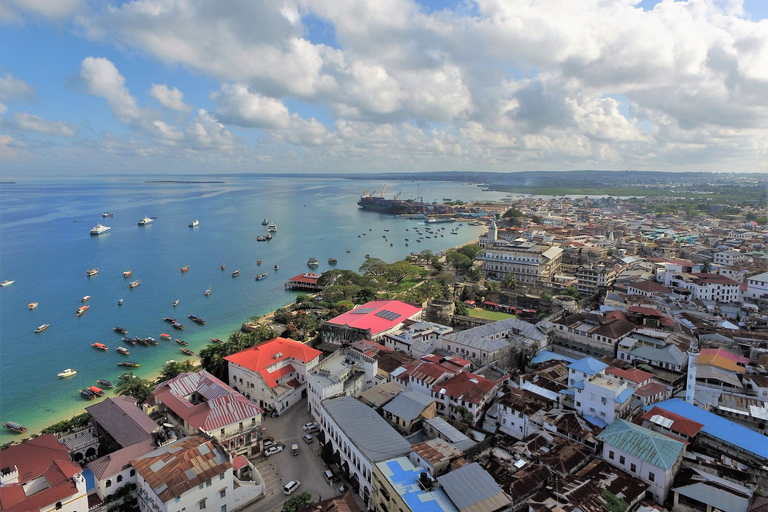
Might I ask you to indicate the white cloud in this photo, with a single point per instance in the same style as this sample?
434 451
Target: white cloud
14 11
236 105
13 89
101 78
205 132
172 99
31 122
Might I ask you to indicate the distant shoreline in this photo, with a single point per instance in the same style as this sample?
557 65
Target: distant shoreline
182 181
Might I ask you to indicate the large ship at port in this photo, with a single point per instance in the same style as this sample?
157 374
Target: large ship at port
395 206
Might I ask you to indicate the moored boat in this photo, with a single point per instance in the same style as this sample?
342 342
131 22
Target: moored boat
164 336
258 262
42 327
261 276
121 330
86 298
169 319
7 283
186 351
312 262
134 284
277 267
349 250
82 309
96 391
105 383
236 273
223 267
269 236
67 373
127 273
217 341
332 261
98 229
208 291
32 305
194 223
261 238
108 214
196 319
145 221
181 342
176 303
99 346
120 302
129 364
272 228
177 325
185 268
15 427
122 350
264 222
87 394
92 272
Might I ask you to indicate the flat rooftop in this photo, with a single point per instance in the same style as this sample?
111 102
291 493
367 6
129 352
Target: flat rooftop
404 477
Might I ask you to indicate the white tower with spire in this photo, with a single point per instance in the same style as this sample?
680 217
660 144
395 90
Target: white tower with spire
493 232
690 383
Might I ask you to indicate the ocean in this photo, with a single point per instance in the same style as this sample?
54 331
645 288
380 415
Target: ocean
45 246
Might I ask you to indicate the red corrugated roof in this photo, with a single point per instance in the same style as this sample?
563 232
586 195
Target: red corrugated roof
262 356
466 386
367 315
633 375
239 462
680 424
305 278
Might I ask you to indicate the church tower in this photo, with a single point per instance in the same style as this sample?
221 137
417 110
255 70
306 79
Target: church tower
690 383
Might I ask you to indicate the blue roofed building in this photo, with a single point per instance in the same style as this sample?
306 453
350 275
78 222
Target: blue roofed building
652 457
584 368
399 486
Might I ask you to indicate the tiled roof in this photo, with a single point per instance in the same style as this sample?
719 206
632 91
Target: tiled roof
377 315
266 354
33 457
652 447
123 420
467 387
111 464
632 375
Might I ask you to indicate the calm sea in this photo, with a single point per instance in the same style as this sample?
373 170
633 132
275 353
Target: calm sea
46 248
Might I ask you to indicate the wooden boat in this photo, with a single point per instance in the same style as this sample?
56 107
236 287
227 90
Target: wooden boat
164 336
208 291
86 298
169 319
150 340
236 273
127 273
185 268
134 284
129 364
332 261
265 222
217 341
120 302
177 325
92 272
186 351
42 327
367 255
15 427
277 267
196 319
123 350
176 303
96 391
67 373
82 309
87 394
261 276
223 267
181 342
261 238
121 330
349 250
258 262
312 262
105 383
32 305
100 346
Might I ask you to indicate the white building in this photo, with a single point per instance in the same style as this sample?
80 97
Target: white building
706 286
345 372
757 286
528 262
420 332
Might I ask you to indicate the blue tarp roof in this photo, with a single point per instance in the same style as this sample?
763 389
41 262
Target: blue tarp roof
546 355
588 365
718 427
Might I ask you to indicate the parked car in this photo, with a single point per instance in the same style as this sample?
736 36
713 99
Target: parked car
269 441
328 474
311 427
291 486
307 438
273 450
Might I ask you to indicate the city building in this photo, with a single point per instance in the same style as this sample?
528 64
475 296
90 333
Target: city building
371 321
473 489
593 333
757 286
527 262
344 372
399 486
464 396
593 277
406 411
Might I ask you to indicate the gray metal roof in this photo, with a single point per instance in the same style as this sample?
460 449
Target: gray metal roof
479 337
472 488
453 435
669 354
123 420
408 405
368 431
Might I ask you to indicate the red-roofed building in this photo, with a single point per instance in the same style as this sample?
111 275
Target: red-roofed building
633 377
306 282
466 390
371 321
38 475
723 359
670 423
201 402
273 374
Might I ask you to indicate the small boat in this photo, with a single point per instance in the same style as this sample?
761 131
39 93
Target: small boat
217 341
121 330
42 327
129 364
349 250
96 391
186 351
194 223
132 341
269 236
258 262
164 336
208 291
176 303
312 262
264 222
108 214
181 342
7 283
277 267
261 276
272 228
86 298
169 319
92 272
150 340
134 284
261 238
100 346
146 221
122 350
32 305
223 267
67 373
236 273
15 427
196 319
177 325
367 255
120 302
185 268
87 394
82 309
98 229
332 261
105 383
127 273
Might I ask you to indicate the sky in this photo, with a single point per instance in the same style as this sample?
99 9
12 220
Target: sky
93 87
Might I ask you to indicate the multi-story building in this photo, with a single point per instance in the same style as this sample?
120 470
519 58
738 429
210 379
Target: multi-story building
421 332
399 486
371 321
757 286
528 262
595 333
593 277
706 286
345 372
273 374
465 393
729 257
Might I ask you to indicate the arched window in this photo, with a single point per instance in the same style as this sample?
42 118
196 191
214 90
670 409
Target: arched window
119 478
58 505
108 484
133 472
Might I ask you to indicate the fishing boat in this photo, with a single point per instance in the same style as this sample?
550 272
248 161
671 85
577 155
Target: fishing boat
15 427
261 276
7 283
134 284
42 327
150 340
105 383
67 373
32 305
122 350
146 221
367 256
217 341
87 394
269 236
121 330
312 262
186 351
129 364
96 391
169 319
258 262
185 268
349 250
127 273
99 229
82 309
236 273
277 267
181 342
92 272
223 267
100 346
120 302
261 238
86 298
176 303
108 214
264 222
272 228
194 223
196 319
164 336
208 291
177 325
332 261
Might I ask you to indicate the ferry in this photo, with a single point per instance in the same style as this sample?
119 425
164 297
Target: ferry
98 229
100 346
86 298
6 283
134 284
82 309
194 223
32 305
15 427
176 303
121 330
272 228
67 373
127 273
312 262
105 383
92 272
87 394
186 351
122 350
129 364
42 327
145 221
96 391
185 268
181 342
261 276
236 273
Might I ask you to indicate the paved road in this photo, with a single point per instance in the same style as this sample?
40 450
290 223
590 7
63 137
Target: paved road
307 467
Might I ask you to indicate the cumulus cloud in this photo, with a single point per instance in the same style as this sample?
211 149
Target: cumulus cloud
238 106
205 132
33 123
101 78
13 89
14 11
172 99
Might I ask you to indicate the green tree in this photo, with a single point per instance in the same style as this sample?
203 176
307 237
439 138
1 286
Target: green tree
131 385
374 267
174 368
461 308
466 416
546 296
475 274
512 213
400 270
492 286
457 260
706 267
509 281
297 502
470 250
282 316
571 291
750 216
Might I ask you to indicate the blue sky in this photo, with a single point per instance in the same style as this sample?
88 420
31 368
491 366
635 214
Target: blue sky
188 86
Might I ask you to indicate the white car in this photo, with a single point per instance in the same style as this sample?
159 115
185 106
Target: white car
273 450
291 486
311 427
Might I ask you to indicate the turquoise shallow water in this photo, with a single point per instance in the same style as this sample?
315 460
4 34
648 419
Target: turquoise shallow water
46 248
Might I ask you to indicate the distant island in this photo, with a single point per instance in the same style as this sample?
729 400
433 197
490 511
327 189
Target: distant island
181 181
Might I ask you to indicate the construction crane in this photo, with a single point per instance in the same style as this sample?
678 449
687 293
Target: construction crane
397 195
382 191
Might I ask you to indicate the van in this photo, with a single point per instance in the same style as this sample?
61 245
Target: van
290 487
328 474
295 449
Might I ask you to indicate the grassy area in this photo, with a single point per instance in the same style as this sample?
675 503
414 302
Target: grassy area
489 315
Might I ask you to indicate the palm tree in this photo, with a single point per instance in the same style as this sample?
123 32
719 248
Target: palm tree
172 369
706 267
129 384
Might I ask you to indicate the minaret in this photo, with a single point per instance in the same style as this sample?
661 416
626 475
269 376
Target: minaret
690 384
493 233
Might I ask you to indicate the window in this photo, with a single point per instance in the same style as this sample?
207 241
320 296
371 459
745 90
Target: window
221 476
201 504
222 493
58 505
119 478
208 483
610 454
133 472
108 484
603 400
622 460
178 499
223 508
651 477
